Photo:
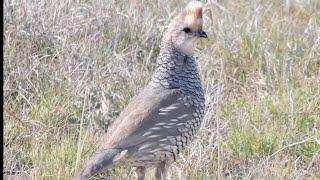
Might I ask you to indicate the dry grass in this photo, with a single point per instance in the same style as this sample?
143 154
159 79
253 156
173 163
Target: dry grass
260 69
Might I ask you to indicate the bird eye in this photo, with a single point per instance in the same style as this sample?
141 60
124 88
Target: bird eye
186 30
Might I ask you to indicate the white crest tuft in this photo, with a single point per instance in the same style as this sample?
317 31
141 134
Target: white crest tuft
193 5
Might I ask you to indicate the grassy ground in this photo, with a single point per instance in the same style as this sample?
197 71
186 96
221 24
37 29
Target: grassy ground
71 67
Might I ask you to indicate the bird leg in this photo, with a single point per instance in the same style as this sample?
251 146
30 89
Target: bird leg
161 171
141 172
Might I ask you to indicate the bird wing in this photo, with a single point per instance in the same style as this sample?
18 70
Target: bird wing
154 115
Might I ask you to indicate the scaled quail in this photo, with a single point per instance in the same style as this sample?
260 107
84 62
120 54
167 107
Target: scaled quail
165 116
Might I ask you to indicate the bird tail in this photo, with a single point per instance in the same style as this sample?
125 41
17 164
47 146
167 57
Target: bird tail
102 160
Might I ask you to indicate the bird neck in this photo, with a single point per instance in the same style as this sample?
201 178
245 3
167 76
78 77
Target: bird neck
169 63
178 70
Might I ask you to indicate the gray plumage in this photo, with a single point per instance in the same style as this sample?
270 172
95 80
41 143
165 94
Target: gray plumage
158 122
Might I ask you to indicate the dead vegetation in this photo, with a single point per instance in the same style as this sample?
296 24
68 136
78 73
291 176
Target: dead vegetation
260 67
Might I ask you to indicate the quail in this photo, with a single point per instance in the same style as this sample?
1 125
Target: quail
165 116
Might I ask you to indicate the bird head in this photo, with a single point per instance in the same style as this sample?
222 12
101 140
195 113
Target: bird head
186 28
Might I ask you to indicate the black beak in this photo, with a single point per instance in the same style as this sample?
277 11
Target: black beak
202 34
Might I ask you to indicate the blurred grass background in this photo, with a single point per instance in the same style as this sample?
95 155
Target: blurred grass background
70 67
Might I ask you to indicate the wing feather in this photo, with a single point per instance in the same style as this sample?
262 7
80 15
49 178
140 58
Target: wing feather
153 119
